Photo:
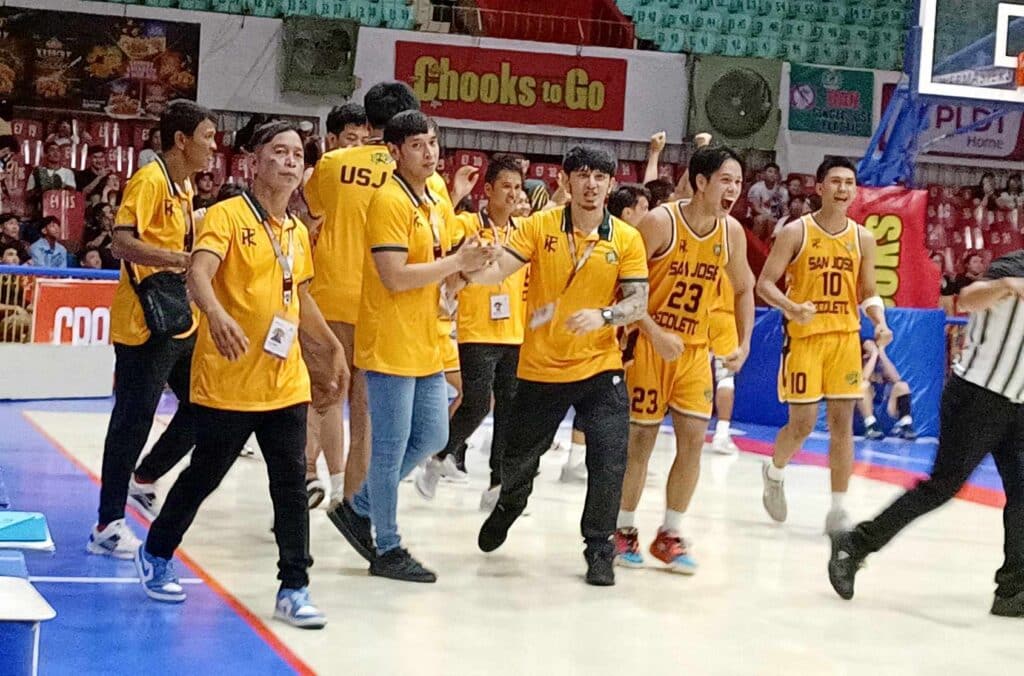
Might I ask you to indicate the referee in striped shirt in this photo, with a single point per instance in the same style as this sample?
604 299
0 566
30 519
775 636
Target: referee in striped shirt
981 413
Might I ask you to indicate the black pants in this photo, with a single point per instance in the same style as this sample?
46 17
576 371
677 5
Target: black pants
142 372
974 423
220 436
486 369
602 411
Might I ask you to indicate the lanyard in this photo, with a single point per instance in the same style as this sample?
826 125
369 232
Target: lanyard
487 222
577 263
287 281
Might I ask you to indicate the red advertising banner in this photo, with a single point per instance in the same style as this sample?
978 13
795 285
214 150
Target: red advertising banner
72 311
906 276
499 85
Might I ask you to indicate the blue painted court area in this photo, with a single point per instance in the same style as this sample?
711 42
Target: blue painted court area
104 623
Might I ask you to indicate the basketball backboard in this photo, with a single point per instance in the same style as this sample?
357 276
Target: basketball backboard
969 49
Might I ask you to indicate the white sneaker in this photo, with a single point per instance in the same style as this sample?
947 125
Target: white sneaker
247 452
426 481
116 540
724 445
574 474
450 471
774 496
144 497
837 521
489 499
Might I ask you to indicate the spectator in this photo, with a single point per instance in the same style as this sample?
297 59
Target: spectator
6 115
10 256
206 191
661 190
151 148
98 233
346 126
93 178
229 190
111 191
523 206
974 269
630 202
884 387
768 200
51 174
1012 197
795 187
654 150
65 134
47 252
536 189
798 207
10 235
15 319
945 279
985 194
91 259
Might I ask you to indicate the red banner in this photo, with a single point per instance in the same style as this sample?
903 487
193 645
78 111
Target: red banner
498 85
906 277
72 311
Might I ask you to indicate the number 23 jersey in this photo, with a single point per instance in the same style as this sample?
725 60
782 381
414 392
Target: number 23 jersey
685 278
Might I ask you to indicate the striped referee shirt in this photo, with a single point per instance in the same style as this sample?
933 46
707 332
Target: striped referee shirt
995 339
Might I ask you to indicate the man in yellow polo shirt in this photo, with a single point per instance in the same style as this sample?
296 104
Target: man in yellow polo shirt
250 275
397 345
153 233
588 275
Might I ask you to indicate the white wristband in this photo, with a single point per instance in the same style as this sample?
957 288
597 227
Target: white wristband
873 301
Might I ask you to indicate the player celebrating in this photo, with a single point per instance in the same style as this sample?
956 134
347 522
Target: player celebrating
689 248
829 262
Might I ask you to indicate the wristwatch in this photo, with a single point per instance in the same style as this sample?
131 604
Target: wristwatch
606 315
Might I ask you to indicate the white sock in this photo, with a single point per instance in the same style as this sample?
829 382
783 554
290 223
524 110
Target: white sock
577 455
626 519
906 420
673 521
722 428
774 473
870 420
837 499
337 482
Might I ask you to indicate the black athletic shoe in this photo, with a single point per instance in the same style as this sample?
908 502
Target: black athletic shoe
874 432
600 571
495 528
1009 606
355 528
398 564
843 564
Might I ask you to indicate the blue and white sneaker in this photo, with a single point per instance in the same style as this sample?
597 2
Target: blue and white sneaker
295 608
627 548
116 540
157 577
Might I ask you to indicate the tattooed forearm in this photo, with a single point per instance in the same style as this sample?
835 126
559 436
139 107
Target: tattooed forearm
633 304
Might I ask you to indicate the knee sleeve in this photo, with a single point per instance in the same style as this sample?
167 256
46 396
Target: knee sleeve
903 405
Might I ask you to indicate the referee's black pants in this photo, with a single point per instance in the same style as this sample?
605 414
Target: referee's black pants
602 412
974 422
220 436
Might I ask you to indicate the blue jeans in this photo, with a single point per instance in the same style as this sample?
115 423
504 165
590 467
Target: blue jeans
409 422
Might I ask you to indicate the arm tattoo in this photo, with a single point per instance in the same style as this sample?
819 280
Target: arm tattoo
633 304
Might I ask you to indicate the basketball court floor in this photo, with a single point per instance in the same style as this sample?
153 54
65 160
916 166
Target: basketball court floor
760 604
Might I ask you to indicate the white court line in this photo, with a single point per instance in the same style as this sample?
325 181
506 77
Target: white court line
102 580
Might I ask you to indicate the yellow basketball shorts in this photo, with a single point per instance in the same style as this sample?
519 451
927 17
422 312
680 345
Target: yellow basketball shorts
685 385
826 365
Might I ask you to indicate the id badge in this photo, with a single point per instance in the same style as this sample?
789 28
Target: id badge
542 316
500 306
280 337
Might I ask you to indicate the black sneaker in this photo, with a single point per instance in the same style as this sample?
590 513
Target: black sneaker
398 564
355 528
495 528
600 571
843 564
1009 606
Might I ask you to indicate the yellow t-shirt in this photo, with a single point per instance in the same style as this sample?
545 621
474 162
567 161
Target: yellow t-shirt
398 332
550 352
159 212
684 279
474 318
340 189
826 271
250 286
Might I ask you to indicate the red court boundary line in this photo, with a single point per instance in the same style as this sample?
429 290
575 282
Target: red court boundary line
254 622
989 497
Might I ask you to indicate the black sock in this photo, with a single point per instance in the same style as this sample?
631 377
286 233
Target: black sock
903 405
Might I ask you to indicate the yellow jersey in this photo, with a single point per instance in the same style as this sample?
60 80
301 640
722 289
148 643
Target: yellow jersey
478 320
685 278
826 271
250 285
398 331
550 353
725 301
159 213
